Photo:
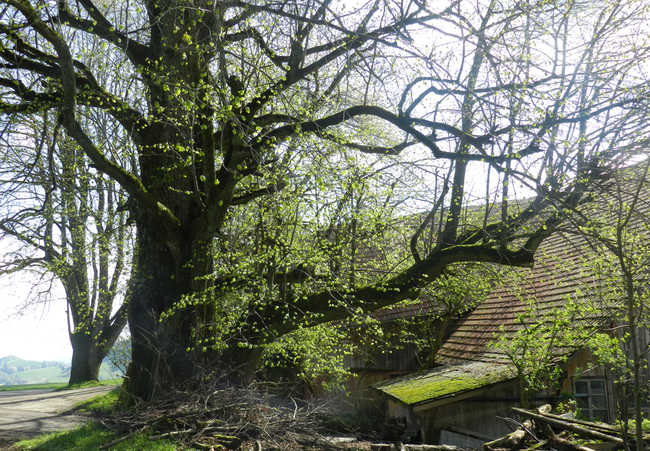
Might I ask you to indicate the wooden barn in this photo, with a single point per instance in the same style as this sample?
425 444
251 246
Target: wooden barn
465 400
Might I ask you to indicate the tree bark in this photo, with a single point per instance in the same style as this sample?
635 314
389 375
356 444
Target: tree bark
163 347
86 358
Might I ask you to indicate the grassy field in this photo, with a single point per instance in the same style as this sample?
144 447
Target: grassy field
47 372
58 385
33 386
16 361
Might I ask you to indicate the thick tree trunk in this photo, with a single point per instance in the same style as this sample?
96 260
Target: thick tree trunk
172 288
171 303
86 358
91 345
242 363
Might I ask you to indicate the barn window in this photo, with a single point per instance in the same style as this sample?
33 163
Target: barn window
591 396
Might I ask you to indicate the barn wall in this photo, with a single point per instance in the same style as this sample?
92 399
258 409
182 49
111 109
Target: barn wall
393 354
477 416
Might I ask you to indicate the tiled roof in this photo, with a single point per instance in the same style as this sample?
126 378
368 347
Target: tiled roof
468 363
403 310
560 275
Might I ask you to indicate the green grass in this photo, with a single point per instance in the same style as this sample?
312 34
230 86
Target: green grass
32 386
102 404
89 438
91 384
59 385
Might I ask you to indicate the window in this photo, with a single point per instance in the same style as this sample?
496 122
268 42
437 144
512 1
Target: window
591 397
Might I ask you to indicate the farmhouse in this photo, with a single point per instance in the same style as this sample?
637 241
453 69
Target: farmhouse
531 332
549 311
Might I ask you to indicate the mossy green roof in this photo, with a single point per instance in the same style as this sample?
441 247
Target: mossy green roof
445 381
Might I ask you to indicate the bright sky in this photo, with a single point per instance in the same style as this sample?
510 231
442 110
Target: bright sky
39 332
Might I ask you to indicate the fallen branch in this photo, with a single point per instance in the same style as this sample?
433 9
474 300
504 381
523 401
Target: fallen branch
431 448
537 445
192 431
565 425
565 445
606 428
513 440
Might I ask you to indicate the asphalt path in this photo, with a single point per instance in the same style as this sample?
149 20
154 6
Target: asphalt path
28 413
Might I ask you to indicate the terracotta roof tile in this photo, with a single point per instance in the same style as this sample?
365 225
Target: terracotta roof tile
558 276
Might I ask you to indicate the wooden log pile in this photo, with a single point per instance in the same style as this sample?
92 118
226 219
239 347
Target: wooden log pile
402 447
542 430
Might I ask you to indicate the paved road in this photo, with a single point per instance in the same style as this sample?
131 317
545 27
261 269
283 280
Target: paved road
27 413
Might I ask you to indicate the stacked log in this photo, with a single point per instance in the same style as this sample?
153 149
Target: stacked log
543 430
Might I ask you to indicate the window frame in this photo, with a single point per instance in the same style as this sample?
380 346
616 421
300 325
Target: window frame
589 410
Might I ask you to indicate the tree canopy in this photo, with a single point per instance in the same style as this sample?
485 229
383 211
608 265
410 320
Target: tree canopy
272 147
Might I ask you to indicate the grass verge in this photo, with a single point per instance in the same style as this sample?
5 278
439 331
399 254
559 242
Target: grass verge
59 385
32 386
91 384
89 438
101 405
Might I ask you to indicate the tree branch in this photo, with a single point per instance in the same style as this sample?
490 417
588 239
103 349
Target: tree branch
268 191
102 28
405 124
332 305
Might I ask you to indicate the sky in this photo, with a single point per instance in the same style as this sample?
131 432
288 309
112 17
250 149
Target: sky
38 332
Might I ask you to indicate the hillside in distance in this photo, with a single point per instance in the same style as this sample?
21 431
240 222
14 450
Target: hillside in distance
17 371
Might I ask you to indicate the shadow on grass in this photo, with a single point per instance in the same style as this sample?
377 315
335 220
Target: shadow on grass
87 437
100 405
90 437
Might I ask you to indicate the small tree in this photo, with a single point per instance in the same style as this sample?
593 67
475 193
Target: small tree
461 289
119 355
618 227
541 343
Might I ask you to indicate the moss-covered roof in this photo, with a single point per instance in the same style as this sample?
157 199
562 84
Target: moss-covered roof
445 381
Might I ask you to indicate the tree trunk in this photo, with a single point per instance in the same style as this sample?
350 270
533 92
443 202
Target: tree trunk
171 302
86 358
173 307
636 357
437 342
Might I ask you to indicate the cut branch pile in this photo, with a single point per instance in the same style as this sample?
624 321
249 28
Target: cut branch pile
219 418
543 430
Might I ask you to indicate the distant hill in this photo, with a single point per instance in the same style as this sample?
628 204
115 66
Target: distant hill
16 371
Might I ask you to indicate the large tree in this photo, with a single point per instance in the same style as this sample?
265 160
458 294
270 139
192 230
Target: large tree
223 99
65 225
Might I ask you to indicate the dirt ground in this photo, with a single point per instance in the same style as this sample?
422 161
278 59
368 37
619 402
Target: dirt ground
28 413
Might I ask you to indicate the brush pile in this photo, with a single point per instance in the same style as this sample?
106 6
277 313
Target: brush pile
542 430
219 417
